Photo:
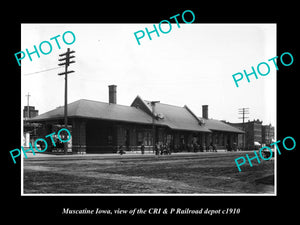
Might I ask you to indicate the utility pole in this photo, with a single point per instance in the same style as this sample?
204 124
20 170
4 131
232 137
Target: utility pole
153 123
66 64
28 95
244 111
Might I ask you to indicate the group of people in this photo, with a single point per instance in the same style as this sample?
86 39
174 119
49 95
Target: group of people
162 149
159 149
233 147
199 148
166 149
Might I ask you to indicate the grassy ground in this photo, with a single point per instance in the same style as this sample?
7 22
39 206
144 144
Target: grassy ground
201 173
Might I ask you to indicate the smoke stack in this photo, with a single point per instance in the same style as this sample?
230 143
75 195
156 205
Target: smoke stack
205 111
112 94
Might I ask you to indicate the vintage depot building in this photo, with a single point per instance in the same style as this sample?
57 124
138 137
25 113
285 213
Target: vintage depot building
99 127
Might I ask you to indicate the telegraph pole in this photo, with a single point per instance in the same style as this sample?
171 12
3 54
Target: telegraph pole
28 95
244 111
66 63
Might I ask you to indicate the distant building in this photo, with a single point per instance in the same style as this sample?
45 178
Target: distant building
268 134
256 134
29 112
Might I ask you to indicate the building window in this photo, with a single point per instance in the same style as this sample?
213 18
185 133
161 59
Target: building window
148 138
140 138
109 136
109 140
216 138
169 138
221 140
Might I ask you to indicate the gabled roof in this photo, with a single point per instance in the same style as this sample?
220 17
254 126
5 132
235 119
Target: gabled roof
178 118
175 117
217 125
97 110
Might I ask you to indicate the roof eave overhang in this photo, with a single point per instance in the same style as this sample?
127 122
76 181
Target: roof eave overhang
239 132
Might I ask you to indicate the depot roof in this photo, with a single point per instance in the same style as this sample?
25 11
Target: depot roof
177 118
217 125
174 117
84 108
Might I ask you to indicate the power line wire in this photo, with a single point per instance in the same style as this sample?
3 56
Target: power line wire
41 71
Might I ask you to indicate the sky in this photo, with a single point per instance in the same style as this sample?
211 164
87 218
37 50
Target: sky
191 65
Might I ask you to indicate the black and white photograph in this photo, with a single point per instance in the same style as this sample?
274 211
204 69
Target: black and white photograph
150 112
174 108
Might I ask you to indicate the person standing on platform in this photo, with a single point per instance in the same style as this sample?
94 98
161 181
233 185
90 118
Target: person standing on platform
143 149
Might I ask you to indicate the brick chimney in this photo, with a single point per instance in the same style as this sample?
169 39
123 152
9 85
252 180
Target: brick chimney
205 111
112 94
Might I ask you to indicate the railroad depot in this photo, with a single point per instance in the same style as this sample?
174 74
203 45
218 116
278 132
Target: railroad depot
102 127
